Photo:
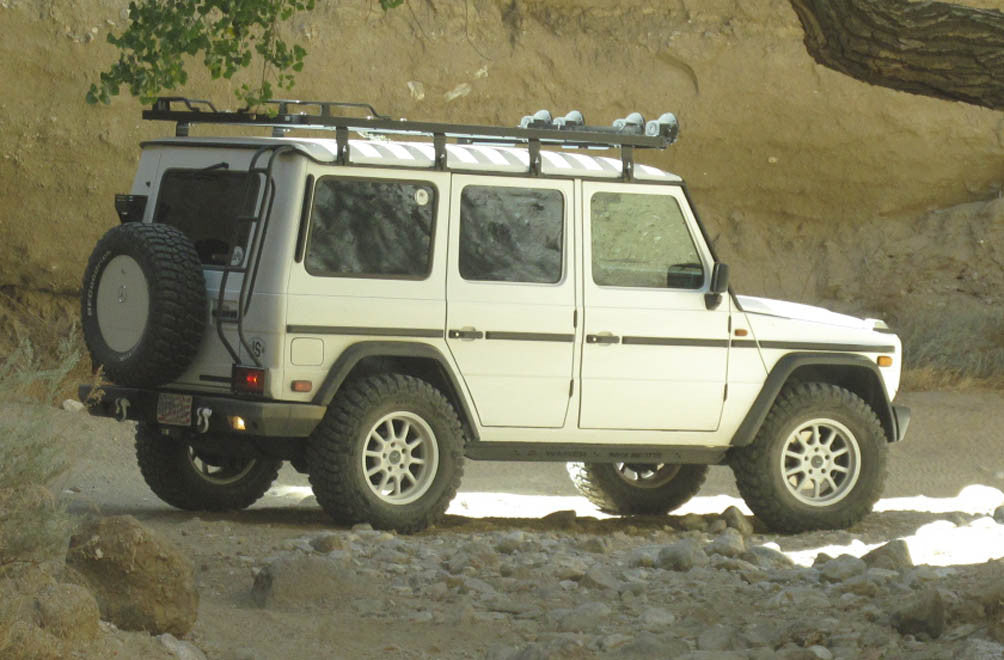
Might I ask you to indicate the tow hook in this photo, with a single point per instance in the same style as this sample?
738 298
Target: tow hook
204 414
122 408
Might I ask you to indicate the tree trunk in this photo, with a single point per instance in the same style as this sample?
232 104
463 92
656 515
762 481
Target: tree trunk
931 48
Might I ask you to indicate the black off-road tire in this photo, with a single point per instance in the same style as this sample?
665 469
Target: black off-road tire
361 431
233 483
846 421
603 485
160 347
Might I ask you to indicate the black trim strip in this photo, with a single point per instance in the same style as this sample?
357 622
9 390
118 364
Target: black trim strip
672 341
215 379
363 331
814 346
530 336
562 452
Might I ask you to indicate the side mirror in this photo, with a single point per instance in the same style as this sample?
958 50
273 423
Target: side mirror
719 285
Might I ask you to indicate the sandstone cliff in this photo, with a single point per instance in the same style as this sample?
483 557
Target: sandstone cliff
816 187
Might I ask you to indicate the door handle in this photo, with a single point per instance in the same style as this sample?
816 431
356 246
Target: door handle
467 333
603 338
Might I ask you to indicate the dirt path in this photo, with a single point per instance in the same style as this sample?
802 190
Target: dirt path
954 443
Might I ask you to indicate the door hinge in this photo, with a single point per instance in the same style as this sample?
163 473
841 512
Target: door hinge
575 318
571 388
726 395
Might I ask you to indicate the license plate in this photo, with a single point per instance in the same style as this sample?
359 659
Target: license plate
174 409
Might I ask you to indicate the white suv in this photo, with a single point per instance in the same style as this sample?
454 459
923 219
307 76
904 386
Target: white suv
373 311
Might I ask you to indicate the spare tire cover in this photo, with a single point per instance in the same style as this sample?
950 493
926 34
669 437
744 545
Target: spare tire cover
143 306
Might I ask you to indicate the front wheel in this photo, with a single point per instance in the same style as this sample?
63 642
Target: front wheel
389 452
637 488
818 461
196 480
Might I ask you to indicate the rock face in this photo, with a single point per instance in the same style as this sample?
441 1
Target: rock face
140 581
784 157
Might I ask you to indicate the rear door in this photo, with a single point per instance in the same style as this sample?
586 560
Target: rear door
511 297
654 356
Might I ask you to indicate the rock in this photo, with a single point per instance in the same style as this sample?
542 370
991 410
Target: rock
326 543
510 542
735 519
597 545
139 579
842 568
821 652
598 577
717 637
924 613
68 611
693 522
72 405
979 649
300 581
717 526
682 556
999 514
560 519
180 648
727 544
894 555
657 618
767 558
586 617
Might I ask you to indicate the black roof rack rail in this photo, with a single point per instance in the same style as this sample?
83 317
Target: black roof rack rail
570 131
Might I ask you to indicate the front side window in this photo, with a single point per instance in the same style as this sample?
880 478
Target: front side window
371 228
212 208
510 234
642 240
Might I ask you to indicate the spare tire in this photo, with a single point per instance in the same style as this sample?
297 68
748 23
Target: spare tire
143 306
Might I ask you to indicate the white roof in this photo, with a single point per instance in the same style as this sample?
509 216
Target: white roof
421 155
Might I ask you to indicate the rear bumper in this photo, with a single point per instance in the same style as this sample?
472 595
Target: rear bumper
901 420
261 418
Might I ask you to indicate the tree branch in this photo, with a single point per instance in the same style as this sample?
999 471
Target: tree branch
930 48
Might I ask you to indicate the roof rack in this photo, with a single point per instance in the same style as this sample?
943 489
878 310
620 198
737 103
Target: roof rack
569 131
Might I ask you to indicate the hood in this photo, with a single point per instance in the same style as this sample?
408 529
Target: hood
799 312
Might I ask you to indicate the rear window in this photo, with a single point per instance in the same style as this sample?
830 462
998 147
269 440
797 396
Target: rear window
371 228
206 206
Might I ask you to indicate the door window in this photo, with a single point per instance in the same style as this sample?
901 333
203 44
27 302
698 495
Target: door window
371 228
642 240
510 234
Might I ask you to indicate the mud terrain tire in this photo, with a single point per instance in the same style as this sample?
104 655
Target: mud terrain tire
629 489
143 308
196 481
818 461
389 452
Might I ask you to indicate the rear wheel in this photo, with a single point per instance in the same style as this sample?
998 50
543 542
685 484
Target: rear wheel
196 480
389 452
818 461
637 488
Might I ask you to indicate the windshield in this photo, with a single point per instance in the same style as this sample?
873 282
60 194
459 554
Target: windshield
208 207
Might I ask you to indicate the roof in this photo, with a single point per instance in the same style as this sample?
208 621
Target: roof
460 157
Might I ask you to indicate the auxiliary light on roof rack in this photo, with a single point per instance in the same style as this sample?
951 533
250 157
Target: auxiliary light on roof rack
534 130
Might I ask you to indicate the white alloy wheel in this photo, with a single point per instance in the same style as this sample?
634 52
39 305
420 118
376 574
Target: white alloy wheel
820 462
647 475
400 458
123 303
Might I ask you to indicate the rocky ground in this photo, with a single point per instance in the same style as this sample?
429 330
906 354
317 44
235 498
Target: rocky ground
522 568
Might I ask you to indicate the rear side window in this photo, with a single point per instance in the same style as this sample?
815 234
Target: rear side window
206 206
371 228
511 234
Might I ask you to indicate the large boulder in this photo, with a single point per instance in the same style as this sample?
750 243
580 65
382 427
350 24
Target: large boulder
140 580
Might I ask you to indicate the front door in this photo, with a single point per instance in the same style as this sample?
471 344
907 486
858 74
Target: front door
654 356
511 297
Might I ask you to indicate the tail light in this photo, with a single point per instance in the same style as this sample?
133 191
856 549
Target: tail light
247 380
